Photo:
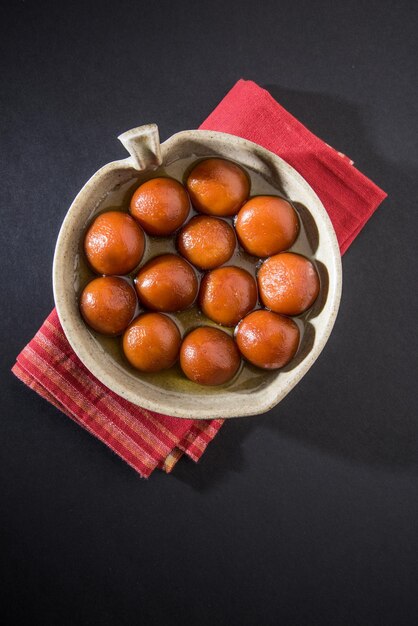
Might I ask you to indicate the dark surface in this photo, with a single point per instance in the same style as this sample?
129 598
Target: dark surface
306 515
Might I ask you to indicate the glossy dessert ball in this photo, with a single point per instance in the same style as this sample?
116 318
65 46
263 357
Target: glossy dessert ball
218 187
209 356
206 241
152 342
108 304
114 243
227 294
267 340
288 283
166 283
160 206
266 225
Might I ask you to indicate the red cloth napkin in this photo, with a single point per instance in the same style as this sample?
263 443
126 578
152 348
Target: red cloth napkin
148 440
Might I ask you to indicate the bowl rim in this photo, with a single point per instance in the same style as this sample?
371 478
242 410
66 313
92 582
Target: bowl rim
163 404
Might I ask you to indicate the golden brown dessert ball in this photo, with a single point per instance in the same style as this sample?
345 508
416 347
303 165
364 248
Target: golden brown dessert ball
267 340
288 283
166 283
114 243
206 241
152 342
227 294
160 205
108 304
209 356
218 187
266 225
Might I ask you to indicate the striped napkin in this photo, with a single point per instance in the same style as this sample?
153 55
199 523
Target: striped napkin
148 440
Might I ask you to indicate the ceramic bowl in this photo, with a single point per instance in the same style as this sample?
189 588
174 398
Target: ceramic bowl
252 391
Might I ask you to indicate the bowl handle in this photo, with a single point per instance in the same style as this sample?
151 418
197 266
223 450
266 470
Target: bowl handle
143 144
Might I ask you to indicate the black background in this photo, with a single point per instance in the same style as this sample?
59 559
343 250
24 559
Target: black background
308 514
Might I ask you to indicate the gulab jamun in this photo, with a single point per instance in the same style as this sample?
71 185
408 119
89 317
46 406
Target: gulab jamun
166 283
206 241
267 340
227 294
266 225
114 243
108 304
160 206
209 356
218 187
152 342
288 283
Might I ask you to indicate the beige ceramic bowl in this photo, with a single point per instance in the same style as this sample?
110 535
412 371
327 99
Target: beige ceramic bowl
252 391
